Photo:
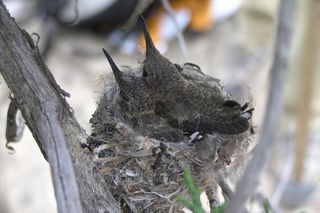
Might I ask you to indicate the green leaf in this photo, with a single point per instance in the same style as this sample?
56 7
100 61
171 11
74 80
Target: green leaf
187 203
221 208
195 204
266 206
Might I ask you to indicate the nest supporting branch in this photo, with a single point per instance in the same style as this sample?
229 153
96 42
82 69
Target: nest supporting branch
42 102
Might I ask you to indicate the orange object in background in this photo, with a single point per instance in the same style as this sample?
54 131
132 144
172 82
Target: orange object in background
200 20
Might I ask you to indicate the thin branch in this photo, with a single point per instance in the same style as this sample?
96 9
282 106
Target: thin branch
181 40
226 190
140 7
278 73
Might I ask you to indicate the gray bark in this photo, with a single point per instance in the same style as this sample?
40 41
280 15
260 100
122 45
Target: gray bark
78 187
278 74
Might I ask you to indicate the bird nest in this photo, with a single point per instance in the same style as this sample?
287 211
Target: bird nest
154 121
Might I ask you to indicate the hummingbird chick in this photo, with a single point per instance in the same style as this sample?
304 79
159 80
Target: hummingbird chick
159 73
173 98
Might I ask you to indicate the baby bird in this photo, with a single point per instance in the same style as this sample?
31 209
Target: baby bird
169 97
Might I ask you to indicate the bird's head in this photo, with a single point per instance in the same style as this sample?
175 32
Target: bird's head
159 73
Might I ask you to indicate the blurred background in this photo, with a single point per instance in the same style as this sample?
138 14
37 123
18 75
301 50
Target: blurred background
232 40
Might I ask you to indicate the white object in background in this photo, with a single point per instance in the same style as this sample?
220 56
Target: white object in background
222 9
86 9
21 10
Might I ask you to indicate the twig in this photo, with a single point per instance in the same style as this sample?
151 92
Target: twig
278 73
181 40
15 124
140 7
227 191
167 197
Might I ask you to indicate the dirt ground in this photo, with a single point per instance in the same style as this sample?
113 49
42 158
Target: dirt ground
237 51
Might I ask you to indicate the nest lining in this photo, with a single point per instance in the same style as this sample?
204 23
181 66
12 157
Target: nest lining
145 173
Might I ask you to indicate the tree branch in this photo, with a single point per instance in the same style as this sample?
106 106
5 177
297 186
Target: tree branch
51 122
278 73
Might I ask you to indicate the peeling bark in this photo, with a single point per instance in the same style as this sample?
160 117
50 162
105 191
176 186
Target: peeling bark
78 187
